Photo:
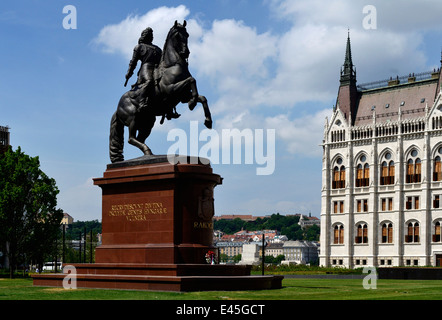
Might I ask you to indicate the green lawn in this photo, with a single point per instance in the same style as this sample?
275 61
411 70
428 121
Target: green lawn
293 289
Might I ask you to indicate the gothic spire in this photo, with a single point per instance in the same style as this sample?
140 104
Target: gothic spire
348 61
348 72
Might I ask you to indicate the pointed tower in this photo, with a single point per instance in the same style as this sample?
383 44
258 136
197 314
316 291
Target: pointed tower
439 85
348 93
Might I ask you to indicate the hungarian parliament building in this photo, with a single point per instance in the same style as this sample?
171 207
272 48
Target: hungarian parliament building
381 175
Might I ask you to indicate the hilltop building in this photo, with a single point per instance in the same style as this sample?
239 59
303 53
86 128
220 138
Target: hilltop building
308 221
67 219
4 138
381 173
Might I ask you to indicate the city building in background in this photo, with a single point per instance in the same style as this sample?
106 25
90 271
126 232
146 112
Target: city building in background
381 174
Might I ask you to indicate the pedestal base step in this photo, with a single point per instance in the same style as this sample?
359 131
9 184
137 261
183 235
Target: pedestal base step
158 277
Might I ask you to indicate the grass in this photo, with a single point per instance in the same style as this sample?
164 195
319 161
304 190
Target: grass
293 289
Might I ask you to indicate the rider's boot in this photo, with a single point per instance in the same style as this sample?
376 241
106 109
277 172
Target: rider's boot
172 114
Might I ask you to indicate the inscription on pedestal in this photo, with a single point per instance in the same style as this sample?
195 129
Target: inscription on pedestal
137 211
203 225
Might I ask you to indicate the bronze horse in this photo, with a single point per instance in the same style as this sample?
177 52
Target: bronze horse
175 84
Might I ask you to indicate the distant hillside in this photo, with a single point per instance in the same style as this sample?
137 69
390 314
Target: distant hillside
286 225
74 230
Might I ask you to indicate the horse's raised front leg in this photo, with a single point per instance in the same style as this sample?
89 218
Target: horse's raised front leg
195 96
135 142
208 121
202 99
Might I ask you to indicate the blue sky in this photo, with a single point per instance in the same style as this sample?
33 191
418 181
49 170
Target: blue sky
270 64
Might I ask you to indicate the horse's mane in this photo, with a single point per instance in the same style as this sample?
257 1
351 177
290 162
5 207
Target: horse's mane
172 30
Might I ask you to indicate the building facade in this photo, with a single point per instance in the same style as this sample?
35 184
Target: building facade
274 249
229 248
300 252
381 174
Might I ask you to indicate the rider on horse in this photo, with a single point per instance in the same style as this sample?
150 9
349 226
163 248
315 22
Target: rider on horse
150 56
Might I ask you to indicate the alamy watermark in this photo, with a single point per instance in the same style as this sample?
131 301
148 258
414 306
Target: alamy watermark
370 281
70 20
70 280
370 21
225 147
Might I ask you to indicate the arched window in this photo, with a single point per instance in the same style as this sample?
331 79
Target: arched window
418 170
362 172
387 170
384 173
410 171
338 181
412 232
338 234
336 178
414 172
359 175
366 175
391 173
437 169
362 233
436 235
342 182
387 233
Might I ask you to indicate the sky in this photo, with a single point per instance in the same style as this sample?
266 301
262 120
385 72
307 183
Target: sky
264 65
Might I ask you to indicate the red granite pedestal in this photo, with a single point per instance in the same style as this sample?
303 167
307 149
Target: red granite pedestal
157 228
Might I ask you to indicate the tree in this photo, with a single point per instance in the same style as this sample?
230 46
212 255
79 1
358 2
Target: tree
274 260
29 220
223 257
237 258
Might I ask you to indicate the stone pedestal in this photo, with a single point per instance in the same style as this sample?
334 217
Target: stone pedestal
157 228
157 212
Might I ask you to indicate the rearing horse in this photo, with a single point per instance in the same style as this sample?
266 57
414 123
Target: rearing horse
175 85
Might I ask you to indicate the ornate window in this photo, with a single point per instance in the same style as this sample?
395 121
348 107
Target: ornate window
338 234
387 170
387 233
437 168
338 181
412 232
436 233
413 173
362 172
361 233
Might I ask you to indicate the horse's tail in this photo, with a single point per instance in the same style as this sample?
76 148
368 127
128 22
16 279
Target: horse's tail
116 139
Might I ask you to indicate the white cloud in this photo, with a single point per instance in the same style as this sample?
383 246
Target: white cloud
257 79
302 135
397 16
230 49
121 38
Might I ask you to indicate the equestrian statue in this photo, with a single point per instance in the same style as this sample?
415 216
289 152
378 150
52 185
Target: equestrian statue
163 81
